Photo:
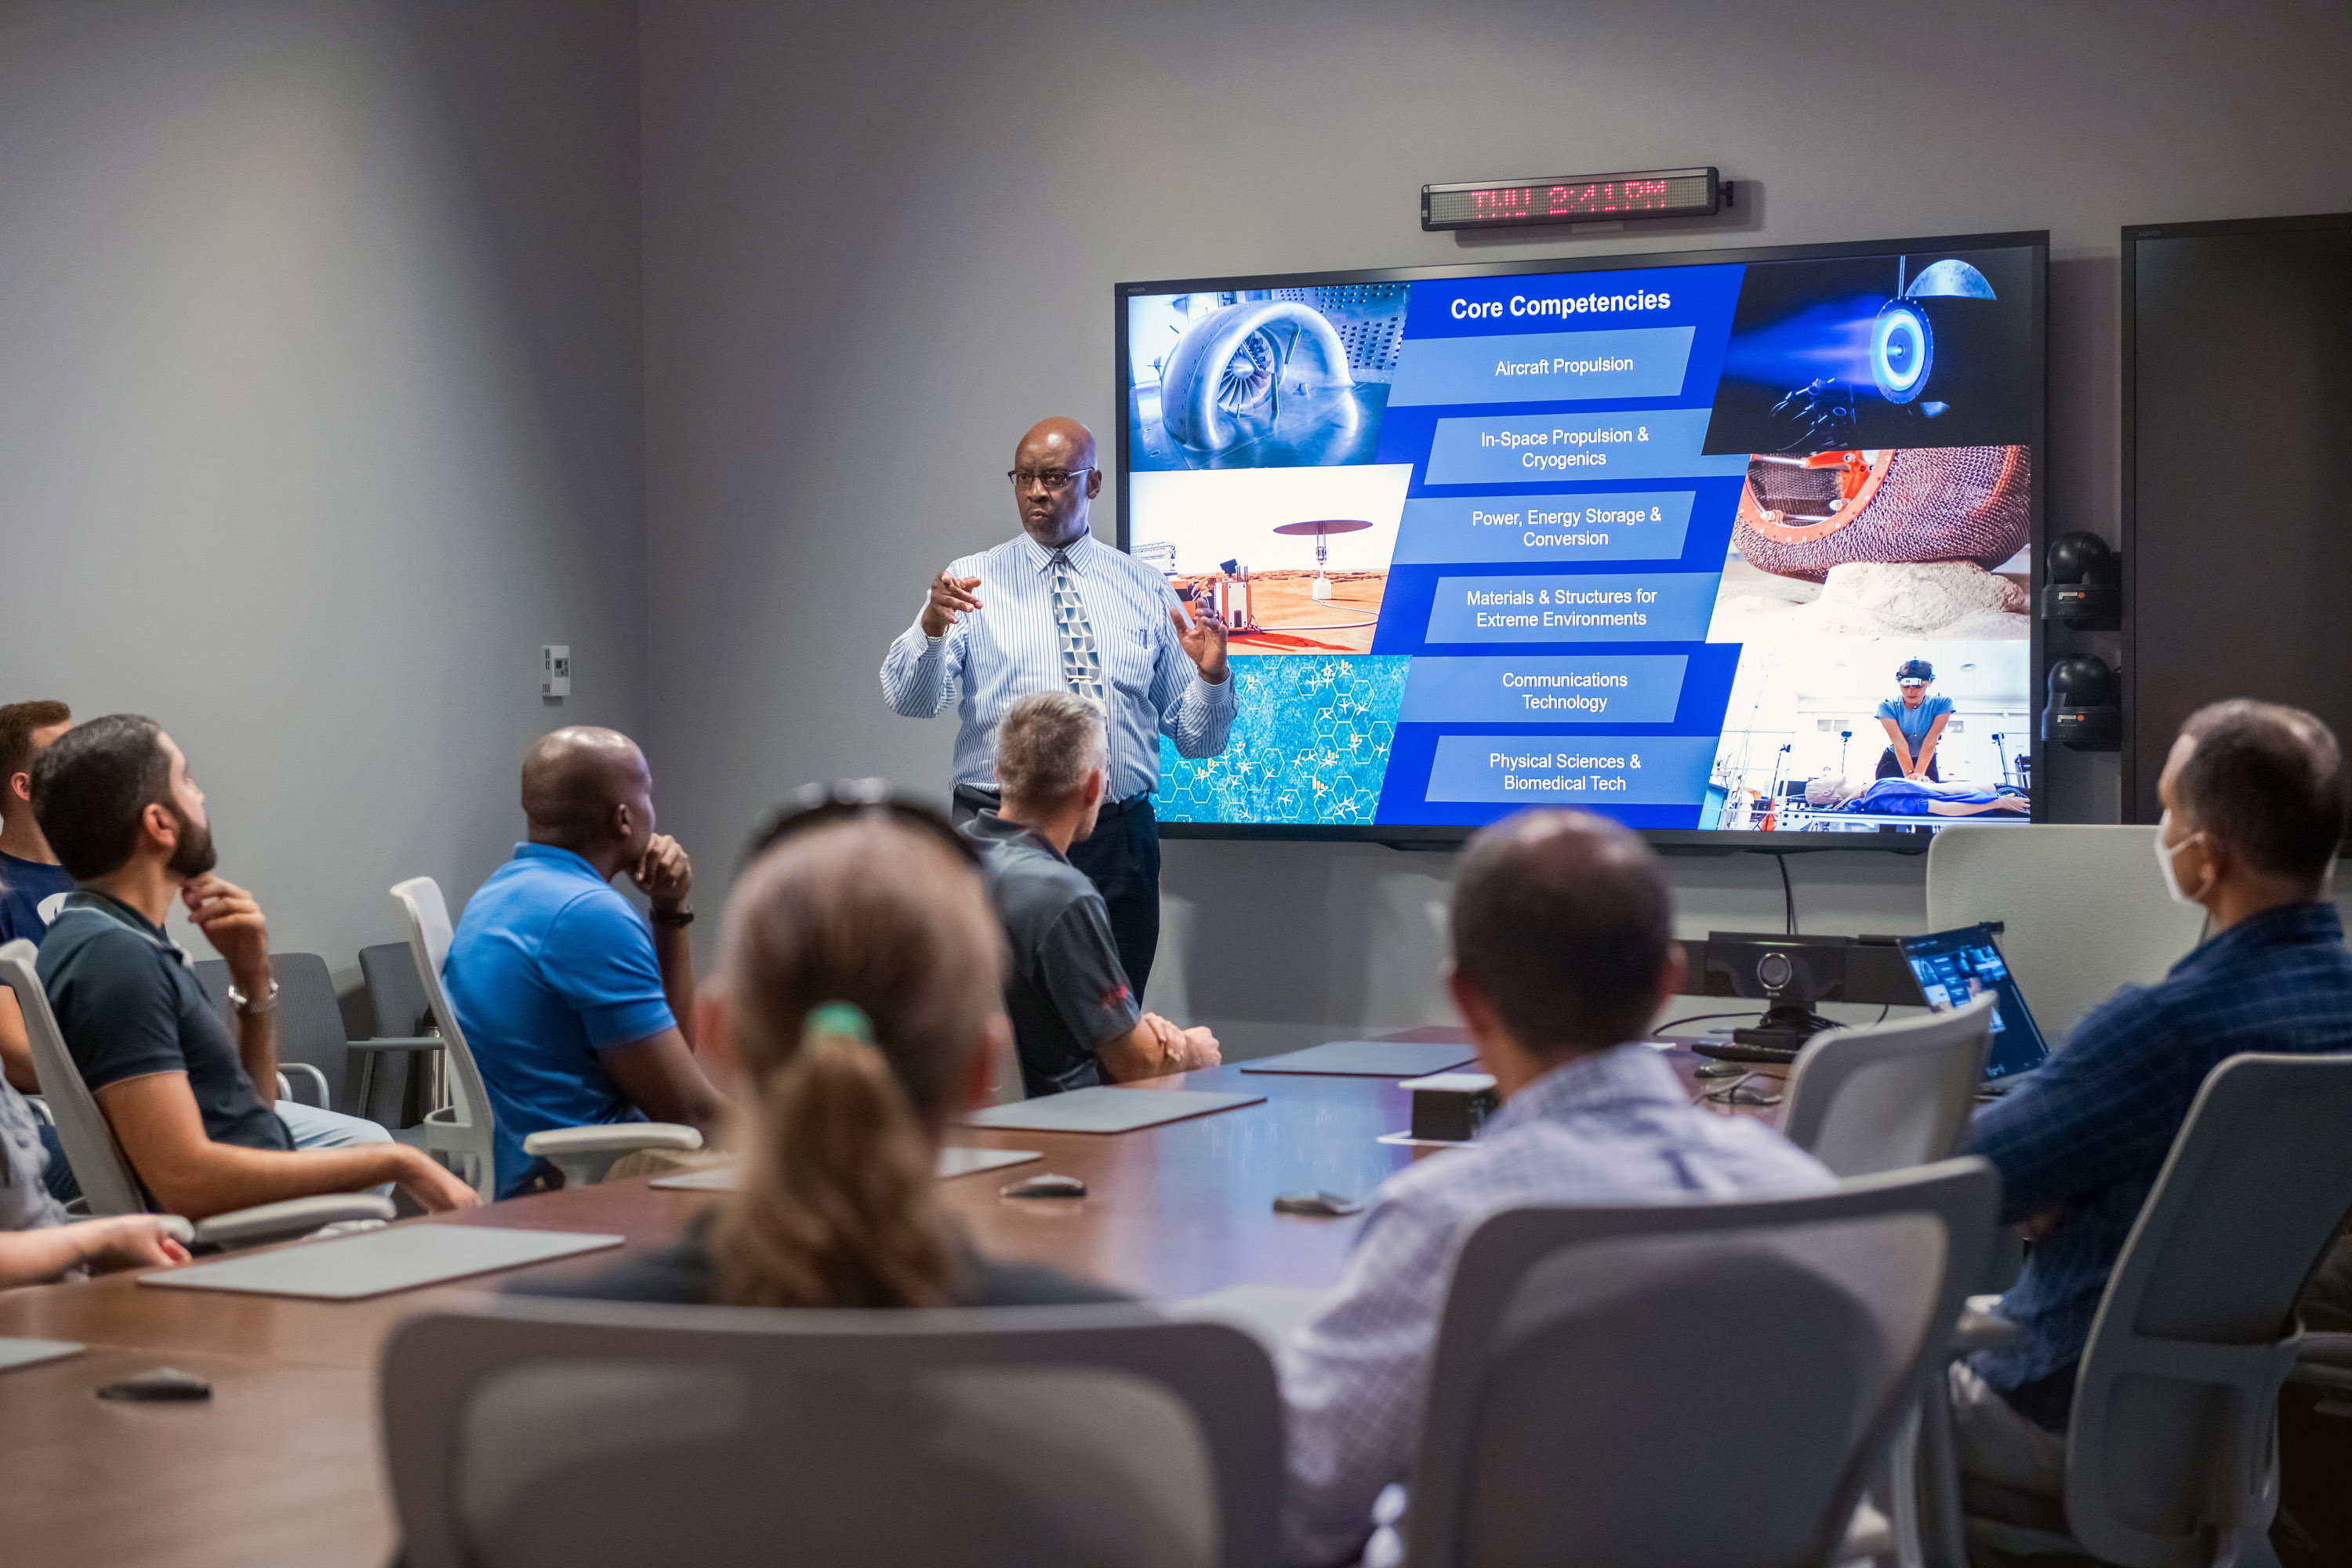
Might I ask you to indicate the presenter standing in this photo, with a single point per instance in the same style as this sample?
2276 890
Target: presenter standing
1056 610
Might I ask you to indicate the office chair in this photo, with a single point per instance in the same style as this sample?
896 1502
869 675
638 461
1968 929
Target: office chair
2171 1456
1893 1095
462 1130
2084 907
1887 1097
548 1433
108 1184
1569 1421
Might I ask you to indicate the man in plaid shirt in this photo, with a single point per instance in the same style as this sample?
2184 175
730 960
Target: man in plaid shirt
2254 798
1563 951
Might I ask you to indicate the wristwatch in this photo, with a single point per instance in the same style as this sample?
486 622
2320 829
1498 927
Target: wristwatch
671 918
249 1007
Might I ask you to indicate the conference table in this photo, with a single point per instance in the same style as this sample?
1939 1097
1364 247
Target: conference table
282 1465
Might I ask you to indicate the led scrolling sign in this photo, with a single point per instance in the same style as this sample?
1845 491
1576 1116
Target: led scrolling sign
1568 198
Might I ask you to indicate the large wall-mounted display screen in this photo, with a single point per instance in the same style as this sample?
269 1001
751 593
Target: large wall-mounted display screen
1716 543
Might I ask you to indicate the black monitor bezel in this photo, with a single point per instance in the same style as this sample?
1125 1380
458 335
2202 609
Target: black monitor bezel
1681 840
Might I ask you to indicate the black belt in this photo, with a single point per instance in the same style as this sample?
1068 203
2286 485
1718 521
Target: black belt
980 799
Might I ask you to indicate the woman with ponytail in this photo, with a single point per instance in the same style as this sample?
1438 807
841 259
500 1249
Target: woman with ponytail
859 1004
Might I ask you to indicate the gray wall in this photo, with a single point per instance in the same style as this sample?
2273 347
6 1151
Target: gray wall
879 243
319 411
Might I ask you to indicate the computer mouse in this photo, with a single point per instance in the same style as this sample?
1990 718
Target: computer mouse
162 1384
1323 1205
1045 1186
1719 1070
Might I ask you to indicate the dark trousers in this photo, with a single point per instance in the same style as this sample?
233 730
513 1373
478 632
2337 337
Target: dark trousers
1121 859
1888 768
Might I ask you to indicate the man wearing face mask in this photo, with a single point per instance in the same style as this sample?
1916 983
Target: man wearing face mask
2254 799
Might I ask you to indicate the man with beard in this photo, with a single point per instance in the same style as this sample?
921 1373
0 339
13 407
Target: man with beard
189 1105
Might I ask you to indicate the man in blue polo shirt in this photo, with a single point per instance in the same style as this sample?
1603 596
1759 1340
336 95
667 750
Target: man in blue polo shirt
577 1013
33 886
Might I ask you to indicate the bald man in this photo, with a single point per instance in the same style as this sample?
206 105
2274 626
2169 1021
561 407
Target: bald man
1054 610
576 1007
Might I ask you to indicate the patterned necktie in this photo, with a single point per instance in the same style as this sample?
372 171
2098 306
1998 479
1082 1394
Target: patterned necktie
1081 664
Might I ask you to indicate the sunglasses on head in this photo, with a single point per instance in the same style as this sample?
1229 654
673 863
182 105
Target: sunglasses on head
815 805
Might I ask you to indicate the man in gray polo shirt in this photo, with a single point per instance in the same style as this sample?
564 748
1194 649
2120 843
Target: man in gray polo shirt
1075 1020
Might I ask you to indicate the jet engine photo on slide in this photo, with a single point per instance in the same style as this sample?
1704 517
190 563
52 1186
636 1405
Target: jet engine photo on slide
1239 369
1800 516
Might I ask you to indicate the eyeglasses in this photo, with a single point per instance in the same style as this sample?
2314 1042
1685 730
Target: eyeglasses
1054 480
818 806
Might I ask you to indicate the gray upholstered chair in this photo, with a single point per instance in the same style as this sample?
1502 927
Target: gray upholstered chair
1571 1419
571 1433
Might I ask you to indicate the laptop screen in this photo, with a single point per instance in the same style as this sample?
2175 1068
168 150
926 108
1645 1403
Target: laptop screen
1954 966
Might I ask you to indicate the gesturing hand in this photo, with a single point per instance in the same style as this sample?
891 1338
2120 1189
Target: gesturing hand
1202 635
950 599
235 926
664 873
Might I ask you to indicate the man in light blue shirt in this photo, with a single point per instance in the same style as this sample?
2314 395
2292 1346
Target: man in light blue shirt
1055 610
1563 951
576 1012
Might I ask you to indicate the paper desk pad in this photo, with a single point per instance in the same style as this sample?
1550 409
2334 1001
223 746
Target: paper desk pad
378 1261
1105 1109
1369 1059
720 1178
14 1354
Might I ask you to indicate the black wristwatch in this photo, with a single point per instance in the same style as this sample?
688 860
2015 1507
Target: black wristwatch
672 918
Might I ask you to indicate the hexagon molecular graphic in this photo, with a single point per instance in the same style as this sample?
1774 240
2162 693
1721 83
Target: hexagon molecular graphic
1309 744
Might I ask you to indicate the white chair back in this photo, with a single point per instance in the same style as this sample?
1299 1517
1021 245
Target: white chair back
1891 1095
1568 1414
107 1185
462 1130
558 1433
2085 909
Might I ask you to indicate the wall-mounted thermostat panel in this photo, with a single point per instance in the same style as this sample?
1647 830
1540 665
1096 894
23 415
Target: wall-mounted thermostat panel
555 669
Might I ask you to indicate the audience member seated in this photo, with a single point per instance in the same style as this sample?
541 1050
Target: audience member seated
1076 1022
1563 950
1915 797
576 1009
36 1244
186 1102
859 1010
33 886
2254 811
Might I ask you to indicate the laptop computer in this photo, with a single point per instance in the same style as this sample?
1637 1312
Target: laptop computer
1955 966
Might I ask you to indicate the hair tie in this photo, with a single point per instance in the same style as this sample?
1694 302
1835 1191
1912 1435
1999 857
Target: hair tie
838 1018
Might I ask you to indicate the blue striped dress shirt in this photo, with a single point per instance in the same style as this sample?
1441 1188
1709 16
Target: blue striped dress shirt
1612 1127
2090 1129
995 656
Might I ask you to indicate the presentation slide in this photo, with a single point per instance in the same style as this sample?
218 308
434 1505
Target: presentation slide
1731 546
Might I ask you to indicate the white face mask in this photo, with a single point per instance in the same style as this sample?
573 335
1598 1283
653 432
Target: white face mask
2164 862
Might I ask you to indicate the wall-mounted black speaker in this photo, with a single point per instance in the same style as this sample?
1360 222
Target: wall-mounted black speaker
2086 712
2085 582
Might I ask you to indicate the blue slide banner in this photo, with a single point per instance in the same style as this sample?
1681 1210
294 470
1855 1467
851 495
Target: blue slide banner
1543 367
1545 688
1640 526
1649 606
1525 448
1580 770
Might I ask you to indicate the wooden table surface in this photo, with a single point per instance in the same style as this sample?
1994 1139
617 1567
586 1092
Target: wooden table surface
280 1466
